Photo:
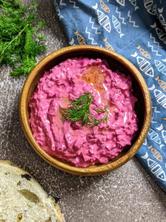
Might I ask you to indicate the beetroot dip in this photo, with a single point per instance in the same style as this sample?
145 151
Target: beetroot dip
79 144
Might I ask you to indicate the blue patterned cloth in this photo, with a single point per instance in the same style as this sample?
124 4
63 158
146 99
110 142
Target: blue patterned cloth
137 30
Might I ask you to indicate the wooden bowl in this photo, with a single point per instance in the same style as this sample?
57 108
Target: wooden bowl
143 107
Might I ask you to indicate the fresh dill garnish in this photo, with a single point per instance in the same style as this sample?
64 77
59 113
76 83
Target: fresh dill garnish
20 40
79 111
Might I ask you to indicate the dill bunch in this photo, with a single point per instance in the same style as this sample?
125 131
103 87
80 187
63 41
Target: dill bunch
79 111
20 40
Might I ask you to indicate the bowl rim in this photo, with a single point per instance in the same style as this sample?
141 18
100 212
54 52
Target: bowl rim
96 169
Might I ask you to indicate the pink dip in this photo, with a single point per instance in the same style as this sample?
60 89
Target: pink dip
73 143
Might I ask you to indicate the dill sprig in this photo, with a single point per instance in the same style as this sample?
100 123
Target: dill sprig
79 111
20 40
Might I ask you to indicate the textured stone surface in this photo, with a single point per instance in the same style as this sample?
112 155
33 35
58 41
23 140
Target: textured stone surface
125 195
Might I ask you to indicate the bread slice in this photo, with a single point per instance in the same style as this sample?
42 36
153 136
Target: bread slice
22 199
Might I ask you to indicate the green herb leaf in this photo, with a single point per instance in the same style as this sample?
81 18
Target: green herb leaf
20 39
79 111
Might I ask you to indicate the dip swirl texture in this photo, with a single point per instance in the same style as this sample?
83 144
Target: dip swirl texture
77 144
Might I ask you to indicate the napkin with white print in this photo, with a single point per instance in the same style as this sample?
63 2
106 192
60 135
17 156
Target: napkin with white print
137 30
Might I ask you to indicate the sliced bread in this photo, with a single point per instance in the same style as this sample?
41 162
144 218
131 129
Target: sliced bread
22 199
